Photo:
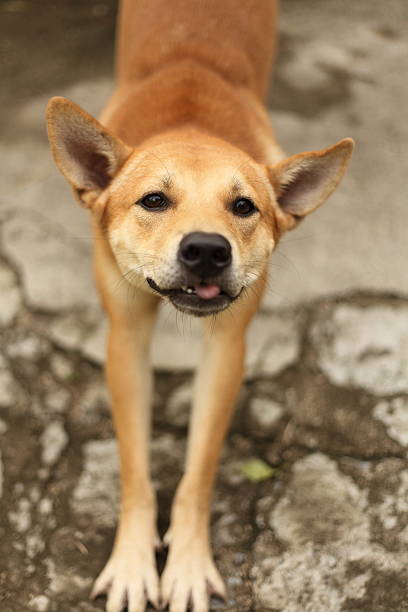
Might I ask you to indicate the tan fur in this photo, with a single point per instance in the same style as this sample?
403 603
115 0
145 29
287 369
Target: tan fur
187 119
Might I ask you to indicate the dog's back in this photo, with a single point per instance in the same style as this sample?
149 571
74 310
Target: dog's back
235 39
199 63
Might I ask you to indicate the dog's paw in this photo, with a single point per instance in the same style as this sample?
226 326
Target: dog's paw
129 579
190 577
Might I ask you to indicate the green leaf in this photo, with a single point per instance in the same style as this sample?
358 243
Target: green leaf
257 470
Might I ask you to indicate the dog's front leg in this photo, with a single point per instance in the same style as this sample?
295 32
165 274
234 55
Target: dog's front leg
130 576
190 570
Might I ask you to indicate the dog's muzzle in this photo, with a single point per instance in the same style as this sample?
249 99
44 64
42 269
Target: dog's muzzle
204 261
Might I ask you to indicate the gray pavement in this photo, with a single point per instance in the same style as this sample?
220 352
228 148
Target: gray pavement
325 402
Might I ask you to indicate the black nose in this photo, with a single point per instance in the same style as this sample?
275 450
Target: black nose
204 254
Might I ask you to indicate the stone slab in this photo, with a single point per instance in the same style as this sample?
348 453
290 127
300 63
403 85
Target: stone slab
365 347
333 82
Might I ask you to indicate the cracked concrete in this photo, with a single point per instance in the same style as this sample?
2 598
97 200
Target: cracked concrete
328 531
365 347
325 400
394 415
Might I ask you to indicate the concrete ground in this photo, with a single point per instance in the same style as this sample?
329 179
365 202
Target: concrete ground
325 402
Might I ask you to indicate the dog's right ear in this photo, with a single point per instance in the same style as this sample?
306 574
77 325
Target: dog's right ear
85 152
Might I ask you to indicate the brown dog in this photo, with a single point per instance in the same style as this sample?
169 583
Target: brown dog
189 195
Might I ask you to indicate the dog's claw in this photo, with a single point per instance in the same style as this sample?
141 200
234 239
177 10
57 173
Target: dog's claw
216 586
154 601
100 586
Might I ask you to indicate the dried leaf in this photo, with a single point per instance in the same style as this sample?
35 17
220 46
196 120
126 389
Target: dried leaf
257 470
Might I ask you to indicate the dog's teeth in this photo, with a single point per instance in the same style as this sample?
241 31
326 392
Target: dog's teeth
190 290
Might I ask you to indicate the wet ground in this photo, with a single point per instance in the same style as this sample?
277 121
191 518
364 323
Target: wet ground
325 402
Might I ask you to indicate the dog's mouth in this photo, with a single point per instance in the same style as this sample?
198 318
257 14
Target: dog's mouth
200 299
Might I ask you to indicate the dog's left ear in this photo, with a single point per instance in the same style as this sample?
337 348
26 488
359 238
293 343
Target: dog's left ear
304 181
86 153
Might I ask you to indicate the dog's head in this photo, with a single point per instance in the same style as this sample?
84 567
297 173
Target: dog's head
191 217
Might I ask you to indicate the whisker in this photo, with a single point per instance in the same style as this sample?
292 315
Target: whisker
289 261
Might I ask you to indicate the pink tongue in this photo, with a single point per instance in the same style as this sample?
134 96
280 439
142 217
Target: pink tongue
207 292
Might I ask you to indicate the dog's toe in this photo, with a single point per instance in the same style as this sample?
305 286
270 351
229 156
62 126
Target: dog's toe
117 597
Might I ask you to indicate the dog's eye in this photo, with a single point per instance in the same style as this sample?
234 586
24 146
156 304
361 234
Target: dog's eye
243 207
154 201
